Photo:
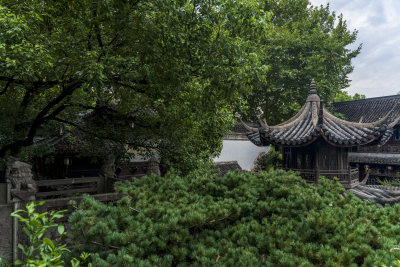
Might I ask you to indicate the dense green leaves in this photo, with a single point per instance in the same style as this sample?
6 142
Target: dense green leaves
304 43
162 75
168 73
41 251
242 219
344 96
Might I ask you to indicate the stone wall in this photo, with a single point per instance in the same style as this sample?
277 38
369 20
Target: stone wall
3 193
242 151
6 224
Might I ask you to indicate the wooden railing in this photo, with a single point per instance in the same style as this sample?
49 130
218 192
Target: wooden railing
68 187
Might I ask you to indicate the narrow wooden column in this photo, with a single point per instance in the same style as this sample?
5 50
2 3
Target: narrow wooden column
349 173
316 163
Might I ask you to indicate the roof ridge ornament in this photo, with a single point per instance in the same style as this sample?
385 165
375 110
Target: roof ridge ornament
313 94
313 88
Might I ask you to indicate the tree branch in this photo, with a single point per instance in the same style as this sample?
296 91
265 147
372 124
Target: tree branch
98 34
55 112
117 80
5 89
92 107
89 42
98 37
24 82
65 71
113 40
80 128
41 118
106 246
95 134
138 90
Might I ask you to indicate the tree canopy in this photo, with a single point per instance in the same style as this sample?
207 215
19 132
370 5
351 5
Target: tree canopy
171 70
164 75
344 96
303 43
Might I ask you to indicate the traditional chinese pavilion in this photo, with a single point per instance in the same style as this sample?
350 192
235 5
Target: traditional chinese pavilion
316 143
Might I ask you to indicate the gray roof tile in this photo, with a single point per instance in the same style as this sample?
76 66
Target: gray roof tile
370 109
313 121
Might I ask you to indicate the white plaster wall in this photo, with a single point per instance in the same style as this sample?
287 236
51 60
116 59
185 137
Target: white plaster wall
243 151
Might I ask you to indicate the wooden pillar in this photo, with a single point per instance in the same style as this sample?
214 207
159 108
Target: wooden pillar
339 156
107 173
349 173
316 163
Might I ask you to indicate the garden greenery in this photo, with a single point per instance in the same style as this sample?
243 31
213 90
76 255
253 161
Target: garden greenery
241 219
40 250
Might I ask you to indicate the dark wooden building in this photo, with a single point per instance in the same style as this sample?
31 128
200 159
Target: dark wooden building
381 160
316 143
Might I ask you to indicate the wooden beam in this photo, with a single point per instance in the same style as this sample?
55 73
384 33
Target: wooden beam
68 181
63 202
92 189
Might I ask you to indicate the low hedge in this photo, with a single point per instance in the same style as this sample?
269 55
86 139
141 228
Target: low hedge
242 219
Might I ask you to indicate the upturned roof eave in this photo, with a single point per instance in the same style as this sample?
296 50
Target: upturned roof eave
313 120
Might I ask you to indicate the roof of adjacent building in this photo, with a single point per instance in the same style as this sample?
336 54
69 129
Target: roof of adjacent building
239 128
378 194
314 121
226 166
374 158
239 132
370 109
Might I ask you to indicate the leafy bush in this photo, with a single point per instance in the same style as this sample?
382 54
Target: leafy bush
3 263
242 219
272 160
42 251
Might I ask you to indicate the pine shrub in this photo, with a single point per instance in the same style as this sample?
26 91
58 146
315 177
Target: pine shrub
241 219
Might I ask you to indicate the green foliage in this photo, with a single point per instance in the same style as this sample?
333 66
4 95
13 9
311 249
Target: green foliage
272 160
242 219
304 43
162 75
344 96
4 264
41 250
393 181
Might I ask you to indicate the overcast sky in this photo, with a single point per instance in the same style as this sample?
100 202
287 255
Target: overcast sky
377 67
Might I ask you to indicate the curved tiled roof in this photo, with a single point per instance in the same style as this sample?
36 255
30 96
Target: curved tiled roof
313 121
370 109
378 194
